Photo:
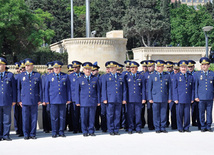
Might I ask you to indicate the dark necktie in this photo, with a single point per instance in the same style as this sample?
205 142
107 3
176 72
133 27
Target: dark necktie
205 74
133 76
88 79
160 76
1 75
57 76
115 76
29 76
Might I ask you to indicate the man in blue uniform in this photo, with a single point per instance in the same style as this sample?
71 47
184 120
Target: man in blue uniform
75 109
95 72
103 106
57 94
70 69
46 107
204 88
144 66
183 94
151 70
194 105
22 66
7 99
169 66
88 98
120 68
159 93
113 94
135 98
17 107
29 97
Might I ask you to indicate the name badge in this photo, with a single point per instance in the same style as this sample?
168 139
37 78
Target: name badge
156 79
7 82
64 83
73 79
83 83
24 78
201 77
180 79
211 81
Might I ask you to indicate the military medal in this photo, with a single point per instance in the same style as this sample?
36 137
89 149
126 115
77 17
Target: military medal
156 79
64 83
201 77
73 79
7 82
166 83
52 79
211 81
35 82
180 79
129 80
83 82
23 78
109 78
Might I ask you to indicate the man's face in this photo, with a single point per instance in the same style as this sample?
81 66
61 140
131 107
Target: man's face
70 72
169 69
29 68
107 70
128 69
76 69
95 72
87 71
17 70
183 69
134 70
50 71
22 69
191 68
176 71
151 68
113 69
205 67
2 67
57 70
145 68
160 69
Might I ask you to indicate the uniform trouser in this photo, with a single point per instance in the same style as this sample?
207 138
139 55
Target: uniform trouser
172 106
150 115
46 120
205 106
88 119
183 116
159 115
29 117
69 123
143 116
123 119
18 118
113 116
167 116
76 118
195 114
97 118
104 117
58 112
5 121
134 116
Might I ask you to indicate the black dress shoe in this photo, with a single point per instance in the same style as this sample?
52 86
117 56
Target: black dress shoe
203 130
151 128
117 133
181 131
20 135
112 133
210 130
26 138
85 135
74 132
0 139
140 132
130 132
92 134
62 135
33 137
187 130
47 131
158 131
7 139
164 131
104 131
174 128
54 136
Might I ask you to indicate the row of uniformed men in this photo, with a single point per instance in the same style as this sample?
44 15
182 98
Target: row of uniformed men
116 89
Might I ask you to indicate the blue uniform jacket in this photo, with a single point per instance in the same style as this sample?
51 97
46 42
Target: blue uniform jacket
159 89
87 93
136 88
204 85
8 89
146 76
114 90
183 88
73 78
29 90
57 91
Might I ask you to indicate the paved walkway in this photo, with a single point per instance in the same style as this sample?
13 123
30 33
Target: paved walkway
148 143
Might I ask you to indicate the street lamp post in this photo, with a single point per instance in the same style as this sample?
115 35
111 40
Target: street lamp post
206 29
88 18
72 19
